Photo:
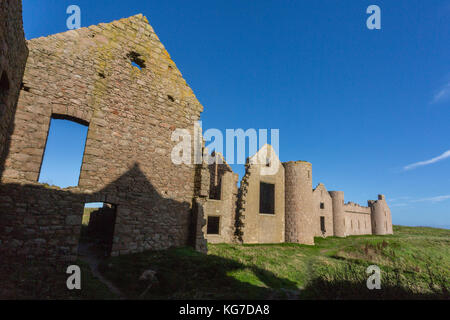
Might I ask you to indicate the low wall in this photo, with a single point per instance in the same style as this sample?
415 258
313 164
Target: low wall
357 219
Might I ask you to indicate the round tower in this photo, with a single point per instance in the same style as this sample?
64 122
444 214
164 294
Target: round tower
337 199
381 223
298 202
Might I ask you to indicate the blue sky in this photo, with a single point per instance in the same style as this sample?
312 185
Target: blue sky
360 104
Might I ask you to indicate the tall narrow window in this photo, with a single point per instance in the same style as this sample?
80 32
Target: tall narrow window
266 198
63 155
322 205
213 225
322 224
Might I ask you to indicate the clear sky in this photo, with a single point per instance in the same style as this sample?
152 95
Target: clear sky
361 105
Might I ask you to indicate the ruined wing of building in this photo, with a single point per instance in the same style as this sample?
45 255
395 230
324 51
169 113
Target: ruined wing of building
89 76
282 206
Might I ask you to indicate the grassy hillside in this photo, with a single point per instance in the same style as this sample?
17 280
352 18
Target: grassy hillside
415 263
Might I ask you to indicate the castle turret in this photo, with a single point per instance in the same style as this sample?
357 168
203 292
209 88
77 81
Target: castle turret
299 202
381 216
337 198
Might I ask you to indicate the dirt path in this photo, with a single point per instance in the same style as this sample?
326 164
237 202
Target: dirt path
93 259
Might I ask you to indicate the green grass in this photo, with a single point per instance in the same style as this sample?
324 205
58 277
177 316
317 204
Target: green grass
415 264
87 214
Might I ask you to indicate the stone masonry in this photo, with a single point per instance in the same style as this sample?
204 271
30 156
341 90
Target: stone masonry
299 202
13 55
301 212
87 76
222 200
259 226
323 208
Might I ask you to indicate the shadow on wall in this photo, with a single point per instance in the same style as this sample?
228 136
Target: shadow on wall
40 222
4 150
13 57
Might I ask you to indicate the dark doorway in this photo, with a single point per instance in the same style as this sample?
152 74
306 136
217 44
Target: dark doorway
4 91
322 224
213 226
4 85
97 230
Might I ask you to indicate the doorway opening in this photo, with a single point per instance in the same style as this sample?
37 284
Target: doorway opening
97 229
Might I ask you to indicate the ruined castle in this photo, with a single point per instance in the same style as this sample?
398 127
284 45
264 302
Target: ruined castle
89 76
280 205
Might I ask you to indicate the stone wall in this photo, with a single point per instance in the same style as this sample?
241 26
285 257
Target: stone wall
38 222
222 200
225 209
381 216
87 75
259 227
357 219
337 200
300 218
216 173
323 207
13 55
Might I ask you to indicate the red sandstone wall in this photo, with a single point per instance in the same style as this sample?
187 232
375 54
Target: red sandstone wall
300 218
358 219
87 74
321 195
13 55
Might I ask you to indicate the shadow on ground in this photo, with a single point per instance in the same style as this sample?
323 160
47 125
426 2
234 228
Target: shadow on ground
183 273
325 289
